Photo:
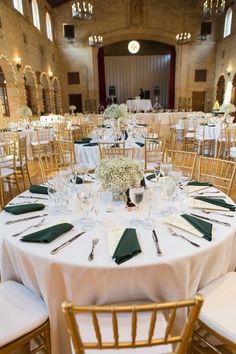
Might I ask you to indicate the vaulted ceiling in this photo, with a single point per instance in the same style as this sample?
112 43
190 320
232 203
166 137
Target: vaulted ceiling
55 3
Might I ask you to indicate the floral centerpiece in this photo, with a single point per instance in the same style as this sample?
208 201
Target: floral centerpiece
72 108
227 108
119 174
118 113
24 112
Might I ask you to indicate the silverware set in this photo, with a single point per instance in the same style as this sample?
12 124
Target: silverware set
217 213
31 197
173 233
156 242
25 219
30 227
64 244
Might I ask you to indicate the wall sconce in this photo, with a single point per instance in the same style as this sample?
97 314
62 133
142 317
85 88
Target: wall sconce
18 63
50 74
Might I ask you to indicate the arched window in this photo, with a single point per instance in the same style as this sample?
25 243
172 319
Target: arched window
49 26
35 13
18 6
228 22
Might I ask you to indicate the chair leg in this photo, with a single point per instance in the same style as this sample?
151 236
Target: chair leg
28 174
2 193
17 183
23 177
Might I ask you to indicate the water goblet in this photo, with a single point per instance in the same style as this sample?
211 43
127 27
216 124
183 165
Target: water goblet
86 200
157 171
166 168
136 196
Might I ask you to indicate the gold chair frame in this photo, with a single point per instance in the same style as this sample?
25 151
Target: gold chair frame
153 151
112 150
182 339
185 160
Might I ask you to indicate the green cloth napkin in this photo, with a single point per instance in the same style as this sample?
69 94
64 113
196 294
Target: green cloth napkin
202 226
219 202
79 180
38 189
83 141
127 247
91 144
24 208
196 183
139 144
151 176
142 125
47 235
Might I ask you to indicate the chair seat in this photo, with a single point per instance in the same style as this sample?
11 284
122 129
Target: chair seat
124 320
7 161
6 172
219 311
21 311
232 151
42 142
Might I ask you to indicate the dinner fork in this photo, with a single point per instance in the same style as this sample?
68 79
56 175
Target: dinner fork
36 225
94 243
173 233
209 212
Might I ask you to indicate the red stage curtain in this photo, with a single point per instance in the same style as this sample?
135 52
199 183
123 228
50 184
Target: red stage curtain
101 77
171 100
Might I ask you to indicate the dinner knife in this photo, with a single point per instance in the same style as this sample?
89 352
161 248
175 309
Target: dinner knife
155 239
57 249
24 219
213 220
29 196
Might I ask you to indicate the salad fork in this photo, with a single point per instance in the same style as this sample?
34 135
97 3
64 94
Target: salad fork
36 225
173 233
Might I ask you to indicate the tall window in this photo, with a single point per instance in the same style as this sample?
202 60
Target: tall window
228 22
49 26
18 6
35 13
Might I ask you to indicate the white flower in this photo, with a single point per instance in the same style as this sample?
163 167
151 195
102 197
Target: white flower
72 108
227 108
119 174
24 111
115 111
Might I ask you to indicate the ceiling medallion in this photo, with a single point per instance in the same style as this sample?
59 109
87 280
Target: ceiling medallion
212 8
133 47
82 10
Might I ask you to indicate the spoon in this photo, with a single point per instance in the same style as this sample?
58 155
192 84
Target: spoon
36 225
209 212
94 243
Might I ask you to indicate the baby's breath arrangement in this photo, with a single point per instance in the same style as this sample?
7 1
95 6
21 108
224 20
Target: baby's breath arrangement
115 111
24 112
119 174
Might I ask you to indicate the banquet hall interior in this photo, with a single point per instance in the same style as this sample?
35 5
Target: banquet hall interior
117 176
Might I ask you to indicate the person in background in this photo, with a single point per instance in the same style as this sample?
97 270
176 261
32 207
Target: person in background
141 93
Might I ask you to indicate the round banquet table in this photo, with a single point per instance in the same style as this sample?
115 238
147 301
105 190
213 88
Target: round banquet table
178 274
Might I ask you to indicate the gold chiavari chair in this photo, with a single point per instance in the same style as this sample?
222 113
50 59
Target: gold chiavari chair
119 318
204 143
231 141
112 150
153 152
24 320
185 160
43 138
67 148
220 172
51 160
216 328
21 159
154 127
222 143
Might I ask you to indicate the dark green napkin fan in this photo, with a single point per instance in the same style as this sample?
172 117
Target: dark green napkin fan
79 180
202 226
203 184
219 202
47 235
38 189
24 208
83 141
127 247
91 144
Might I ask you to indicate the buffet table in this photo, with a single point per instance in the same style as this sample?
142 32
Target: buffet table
178 274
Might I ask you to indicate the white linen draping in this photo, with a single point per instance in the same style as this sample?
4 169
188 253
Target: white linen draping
178 274
139 105
129 73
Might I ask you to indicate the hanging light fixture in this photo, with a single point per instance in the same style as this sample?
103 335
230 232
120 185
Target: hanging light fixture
95 41
82 10
212 8
184 37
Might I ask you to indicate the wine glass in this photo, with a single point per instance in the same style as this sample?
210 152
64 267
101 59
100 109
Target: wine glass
166 168
168 188
136 196
157 171
85 197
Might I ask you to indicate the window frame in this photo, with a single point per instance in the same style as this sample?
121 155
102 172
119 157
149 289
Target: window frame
228 22
35 14
18 6
49 26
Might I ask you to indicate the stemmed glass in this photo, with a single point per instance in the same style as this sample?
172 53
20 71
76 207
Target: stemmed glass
86 200
157 171
168 188
82 170
136 196
166 168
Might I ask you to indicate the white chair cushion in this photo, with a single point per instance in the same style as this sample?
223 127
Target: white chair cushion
5 172
124 325
21 311
232 152
219 308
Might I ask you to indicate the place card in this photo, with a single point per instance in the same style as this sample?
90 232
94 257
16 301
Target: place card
200 204
114 236
178 221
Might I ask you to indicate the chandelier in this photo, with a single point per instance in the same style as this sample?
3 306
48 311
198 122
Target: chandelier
213 7
183 37
82 10
95 41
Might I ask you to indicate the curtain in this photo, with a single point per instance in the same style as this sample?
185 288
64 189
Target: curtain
101 77
172 79
130 73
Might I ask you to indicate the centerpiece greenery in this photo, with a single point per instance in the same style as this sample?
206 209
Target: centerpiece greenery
24 112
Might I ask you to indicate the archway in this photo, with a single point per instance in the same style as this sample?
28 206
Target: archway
31 90
220 90
9 94
56 95
46 98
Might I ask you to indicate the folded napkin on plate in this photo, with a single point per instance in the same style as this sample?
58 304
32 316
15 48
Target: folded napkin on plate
127 247
218 202
24 208
196 183
83 141
38 189
47 235
202 226
91 144
139 144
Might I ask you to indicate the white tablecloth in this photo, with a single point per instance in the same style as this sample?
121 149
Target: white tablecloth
178 274
139 105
